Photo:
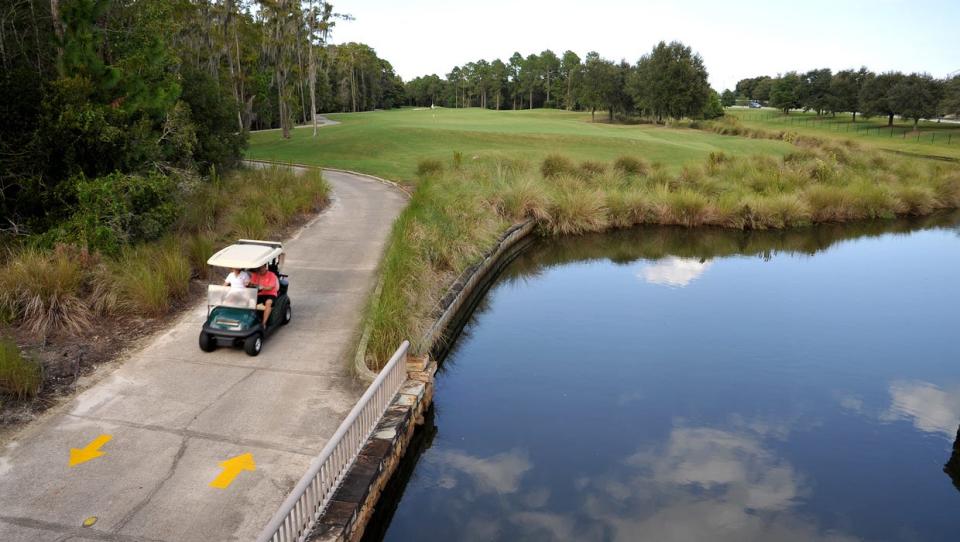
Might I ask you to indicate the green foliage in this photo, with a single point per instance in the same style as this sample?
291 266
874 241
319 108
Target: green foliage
786 92
219 145
728 98
671 81
713 108
117 210
20 377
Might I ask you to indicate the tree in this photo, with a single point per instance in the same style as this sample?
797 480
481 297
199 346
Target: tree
714 107
549 66
599 89
670 81
815 90
845 87
950 104
530 76
761 91
728 98
498 80
785 92
875 95
915 97
570 74
515 67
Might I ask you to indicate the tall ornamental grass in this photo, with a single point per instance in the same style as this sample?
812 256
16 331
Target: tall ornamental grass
20 377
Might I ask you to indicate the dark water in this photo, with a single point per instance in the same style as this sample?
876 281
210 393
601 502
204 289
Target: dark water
672 385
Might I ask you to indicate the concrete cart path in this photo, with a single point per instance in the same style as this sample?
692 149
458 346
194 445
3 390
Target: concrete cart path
174 413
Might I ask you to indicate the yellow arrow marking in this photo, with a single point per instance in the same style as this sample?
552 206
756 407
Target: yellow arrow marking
88 452
231 468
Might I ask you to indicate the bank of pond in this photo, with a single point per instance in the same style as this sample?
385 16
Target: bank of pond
664 383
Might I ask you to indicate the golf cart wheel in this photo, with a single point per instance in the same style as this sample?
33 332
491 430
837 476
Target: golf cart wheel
253 344
207 342
287 315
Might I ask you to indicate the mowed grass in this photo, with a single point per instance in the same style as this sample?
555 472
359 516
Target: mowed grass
391 143
931 139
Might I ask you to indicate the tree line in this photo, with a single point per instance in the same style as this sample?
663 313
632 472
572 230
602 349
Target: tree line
160 89
668 82
913 96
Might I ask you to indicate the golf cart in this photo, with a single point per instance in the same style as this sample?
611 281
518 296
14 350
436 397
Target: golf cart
234 318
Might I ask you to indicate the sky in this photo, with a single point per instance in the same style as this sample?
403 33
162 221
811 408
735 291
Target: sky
735 39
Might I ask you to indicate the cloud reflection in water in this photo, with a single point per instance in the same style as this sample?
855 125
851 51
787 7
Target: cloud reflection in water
700 483
929 408
674 271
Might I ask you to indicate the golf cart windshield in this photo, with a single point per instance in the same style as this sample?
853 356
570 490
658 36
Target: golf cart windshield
225 296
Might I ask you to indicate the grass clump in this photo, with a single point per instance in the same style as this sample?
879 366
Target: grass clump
555 165
45 289
20 377
590 168
428 167
630 165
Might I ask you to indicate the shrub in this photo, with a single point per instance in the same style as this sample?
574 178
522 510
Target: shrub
555 165
19 377
119 209
631 166
429 166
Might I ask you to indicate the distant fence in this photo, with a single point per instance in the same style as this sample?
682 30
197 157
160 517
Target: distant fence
305 504
944 134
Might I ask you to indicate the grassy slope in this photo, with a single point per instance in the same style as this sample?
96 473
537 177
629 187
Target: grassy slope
389 143
940 140
458 211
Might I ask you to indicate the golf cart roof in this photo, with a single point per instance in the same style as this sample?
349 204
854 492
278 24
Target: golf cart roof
246 254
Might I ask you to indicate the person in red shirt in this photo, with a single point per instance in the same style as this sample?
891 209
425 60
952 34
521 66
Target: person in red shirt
267 288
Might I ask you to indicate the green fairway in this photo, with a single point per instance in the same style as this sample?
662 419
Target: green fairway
389 143
934 139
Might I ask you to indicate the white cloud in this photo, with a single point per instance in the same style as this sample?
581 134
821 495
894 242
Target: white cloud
674 271
500 473
930 408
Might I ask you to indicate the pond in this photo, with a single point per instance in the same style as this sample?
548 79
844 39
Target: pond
666 384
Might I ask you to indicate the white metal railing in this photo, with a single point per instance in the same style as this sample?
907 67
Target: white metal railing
308 500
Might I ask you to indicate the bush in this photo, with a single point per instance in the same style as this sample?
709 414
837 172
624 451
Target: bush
19 377
429 166
555 165
631 166
118 209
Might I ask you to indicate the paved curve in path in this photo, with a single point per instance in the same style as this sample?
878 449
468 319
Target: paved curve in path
174 412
